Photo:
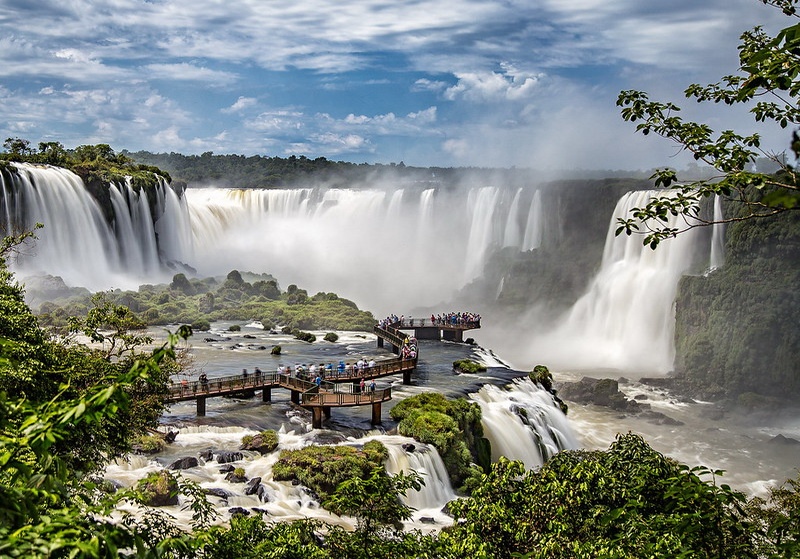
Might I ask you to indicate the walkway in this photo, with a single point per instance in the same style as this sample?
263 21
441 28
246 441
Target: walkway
337 389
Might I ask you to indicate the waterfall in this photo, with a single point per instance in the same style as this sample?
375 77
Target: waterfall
481 204
523 423
535 225
511 237
626 318
717 258
385 248
425 460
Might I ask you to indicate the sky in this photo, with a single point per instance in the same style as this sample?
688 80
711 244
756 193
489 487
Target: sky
488 83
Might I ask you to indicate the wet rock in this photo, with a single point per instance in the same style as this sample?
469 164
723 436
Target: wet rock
227 468
218 492
252 486
640 397
226 456
239 510
170 436
427 520
263 494
249 336
207 455
409 447
184 463
234 478
784 441
658 418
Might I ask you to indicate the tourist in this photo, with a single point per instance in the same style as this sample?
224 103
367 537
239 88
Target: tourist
372 386
204 382
361 385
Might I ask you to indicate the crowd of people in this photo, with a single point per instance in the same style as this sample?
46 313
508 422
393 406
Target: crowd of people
441 319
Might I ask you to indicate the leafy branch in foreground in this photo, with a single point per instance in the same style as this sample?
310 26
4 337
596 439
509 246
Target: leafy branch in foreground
768 82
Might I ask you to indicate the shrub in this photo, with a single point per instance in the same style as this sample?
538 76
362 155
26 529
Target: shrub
234 328
201 325
331 337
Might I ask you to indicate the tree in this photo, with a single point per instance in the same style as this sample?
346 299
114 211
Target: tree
769 82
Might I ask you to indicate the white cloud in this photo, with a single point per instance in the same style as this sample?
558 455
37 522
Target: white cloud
277 121
490 87
241 104
189 72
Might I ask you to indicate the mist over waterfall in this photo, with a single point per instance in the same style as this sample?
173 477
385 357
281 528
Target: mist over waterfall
625 320
386 248
389 248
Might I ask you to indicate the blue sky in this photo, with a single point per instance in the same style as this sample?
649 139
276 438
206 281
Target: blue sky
527 83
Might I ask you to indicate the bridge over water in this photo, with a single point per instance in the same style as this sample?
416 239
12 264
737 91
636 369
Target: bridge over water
336 389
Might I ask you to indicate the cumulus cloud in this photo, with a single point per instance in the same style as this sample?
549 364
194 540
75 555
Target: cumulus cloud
488 87
241 104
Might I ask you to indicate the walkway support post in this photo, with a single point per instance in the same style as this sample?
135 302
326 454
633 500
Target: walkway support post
295 397
266 394
316 417
406 377
201 405
376 413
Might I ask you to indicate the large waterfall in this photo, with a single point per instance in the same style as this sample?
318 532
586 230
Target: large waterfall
626 318
387 248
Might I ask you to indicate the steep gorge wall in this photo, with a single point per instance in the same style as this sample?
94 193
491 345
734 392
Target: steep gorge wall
737 328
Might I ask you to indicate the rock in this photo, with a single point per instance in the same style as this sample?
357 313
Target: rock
713 413
264 442
252 486
600 392
658 418
207 455
226 456
184 463
233 478
263 493
783 441
218 492
209 340
227 468
170 436
427 520
239 510
249 336
409 447
160 489
640 397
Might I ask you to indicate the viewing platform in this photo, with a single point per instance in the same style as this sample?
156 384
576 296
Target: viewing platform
338 387
427 329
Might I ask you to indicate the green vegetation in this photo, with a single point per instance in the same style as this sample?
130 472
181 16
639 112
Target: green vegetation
323 468
453 427
469 366
264 442
98 165
332 337
768 83
58 401
201 301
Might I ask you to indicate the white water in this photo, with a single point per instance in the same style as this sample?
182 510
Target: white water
284 501
523 423
626 318
423 244
717 258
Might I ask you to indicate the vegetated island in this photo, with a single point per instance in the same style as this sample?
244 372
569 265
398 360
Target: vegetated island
199 302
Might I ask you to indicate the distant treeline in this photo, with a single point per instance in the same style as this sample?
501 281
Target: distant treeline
258 171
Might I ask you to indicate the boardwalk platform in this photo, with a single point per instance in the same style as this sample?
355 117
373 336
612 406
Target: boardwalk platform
337 389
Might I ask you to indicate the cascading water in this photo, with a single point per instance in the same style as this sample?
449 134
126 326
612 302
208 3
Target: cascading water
424 243
625 320
523 423
717 258
511 237
481 205
534 228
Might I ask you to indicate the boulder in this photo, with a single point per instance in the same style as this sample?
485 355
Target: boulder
218 492
226 456
235 477
239 510
184 463
252 486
